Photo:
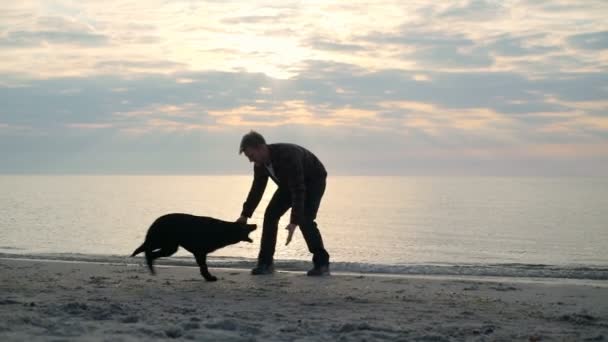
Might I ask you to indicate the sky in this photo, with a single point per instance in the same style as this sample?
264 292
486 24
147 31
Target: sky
474 87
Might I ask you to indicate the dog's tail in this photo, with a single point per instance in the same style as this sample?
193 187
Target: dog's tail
139 249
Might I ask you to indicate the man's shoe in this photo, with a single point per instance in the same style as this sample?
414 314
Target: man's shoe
319 271
262 269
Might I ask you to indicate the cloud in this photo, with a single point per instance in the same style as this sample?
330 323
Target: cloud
435 48
507 92
89 125
326 93
590 41
451 57
38 38
563 6
117 66
473 10
417 37
320 43
252 19
513 46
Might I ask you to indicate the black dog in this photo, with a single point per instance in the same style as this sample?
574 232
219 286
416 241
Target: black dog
199 235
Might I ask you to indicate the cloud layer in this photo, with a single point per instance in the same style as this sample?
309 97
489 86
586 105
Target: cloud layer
465 87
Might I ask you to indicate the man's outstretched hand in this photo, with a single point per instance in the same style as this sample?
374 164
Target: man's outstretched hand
290 229
241 219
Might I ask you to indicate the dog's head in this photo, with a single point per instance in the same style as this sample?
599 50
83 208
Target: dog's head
247 229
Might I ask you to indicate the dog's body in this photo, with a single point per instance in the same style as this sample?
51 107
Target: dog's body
199 235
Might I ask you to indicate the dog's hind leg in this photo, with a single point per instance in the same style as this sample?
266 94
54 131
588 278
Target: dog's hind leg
201 260
165 251
150 260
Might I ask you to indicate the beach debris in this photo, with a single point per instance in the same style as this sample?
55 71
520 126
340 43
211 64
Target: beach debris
225 324
353 327
173 333
578 318
502 287
190 326
130 319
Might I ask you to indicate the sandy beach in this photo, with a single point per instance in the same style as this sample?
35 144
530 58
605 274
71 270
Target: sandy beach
60 301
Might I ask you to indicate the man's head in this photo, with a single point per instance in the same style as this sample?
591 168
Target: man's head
255 148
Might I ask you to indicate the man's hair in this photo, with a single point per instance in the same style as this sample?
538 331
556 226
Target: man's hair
251 139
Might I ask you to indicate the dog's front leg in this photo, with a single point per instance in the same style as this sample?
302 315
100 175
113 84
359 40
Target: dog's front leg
201 260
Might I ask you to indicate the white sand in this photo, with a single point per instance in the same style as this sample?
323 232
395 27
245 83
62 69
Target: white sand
57 301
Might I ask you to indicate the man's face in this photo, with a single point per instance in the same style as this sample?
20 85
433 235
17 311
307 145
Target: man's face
255 154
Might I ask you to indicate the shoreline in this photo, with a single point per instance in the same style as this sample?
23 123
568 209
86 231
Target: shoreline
489 279
571 273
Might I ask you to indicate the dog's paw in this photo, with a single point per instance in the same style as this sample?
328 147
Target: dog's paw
211 278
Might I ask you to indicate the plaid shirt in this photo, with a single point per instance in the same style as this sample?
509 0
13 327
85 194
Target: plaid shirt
294 168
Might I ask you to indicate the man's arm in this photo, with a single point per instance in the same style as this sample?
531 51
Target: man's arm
260 179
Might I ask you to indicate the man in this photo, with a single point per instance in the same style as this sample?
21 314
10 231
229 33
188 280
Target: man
300 177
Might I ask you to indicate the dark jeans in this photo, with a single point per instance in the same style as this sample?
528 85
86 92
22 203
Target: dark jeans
278 205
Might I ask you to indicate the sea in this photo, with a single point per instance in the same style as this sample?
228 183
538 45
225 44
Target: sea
446 226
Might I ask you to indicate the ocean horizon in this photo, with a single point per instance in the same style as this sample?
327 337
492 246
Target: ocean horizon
499 226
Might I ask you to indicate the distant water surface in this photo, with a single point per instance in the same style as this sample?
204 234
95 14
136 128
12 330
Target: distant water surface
371 220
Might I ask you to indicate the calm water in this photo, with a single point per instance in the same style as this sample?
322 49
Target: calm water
364 220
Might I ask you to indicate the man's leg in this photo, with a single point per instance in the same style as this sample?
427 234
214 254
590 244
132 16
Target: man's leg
278 205
310 231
